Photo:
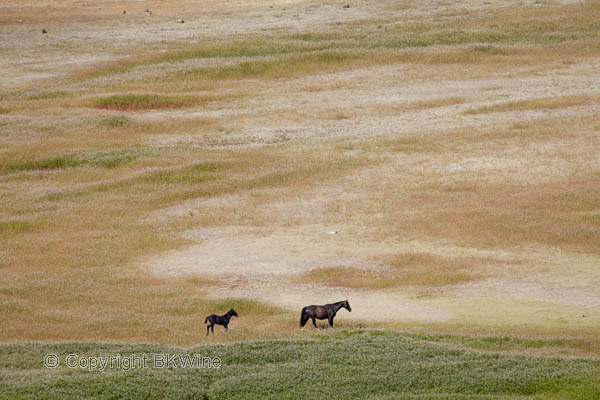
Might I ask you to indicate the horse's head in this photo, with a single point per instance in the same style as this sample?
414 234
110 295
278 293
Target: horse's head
233 313
347 306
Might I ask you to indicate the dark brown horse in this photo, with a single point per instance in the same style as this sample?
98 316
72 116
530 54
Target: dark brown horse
326 311
213 319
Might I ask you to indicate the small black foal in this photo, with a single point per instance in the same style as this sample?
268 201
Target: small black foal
213 319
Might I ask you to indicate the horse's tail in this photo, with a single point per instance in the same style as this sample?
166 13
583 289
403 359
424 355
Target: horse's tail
205 320
303 317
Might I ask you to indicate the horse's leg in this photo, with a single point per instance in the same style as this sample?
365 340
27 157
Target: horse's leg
331 321
212 329
314 322
207 328
226 327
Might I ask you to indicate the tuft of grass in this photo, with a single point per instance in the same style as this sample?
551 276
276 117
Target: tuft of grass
133 102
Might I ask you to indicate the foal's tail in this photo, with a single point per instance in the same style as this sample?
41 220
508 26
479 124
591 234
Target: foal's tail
303 317
205 320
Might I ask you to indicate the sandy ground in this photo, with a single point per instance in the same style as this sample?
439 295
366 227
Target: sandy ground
264 263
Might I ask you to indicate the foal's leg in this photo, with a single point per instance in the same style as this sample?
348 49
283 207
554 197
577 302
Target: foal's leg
207 328
226 327
212 328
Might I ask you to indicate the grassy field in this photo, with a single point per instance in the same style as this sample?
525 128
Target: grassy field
435 163
343 365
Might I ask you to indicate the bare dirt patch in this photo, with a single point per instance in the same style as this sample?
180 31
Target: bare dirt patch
263 264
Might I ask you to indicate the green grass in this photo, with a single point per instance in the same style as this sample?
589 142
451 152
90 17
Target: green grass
15 226
334 365
133 102
100 159
55 162
285 66
113 121
189 175
52 94
252 47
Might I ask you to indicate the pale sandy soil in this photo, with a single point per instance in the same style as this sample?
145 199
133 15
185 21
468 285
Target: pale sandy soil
264 263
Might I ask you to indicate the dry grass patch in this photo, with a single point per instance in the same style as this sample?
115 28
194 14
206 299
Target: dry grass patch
126 305
547 103
488 140
405 269
363 111
561 214
529 183
427 104
383 109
